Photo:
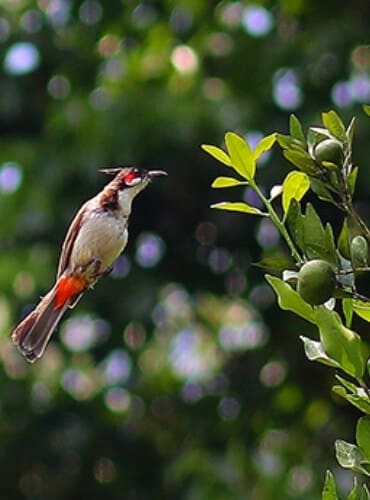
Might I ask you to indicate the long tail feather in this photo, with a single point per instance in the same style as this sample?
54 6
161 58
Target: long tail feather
32 335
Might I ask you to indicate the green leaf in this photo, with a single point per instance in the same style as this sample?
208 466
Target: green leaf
242 158
330 244
302 160
363 436
276 262
350 131
334 124
264 145
317 241
315 352
295 223
238 206
320 189
366 108
362 309
319 133
329 491
217 153
295 186
295 129
347 307
351 180
223 182
353 494
339 342
357 396
349 456
290 300
343 241
284 141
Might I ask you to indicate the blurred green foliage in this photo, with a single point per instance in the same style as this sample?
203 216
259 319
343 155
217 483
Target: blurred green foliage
178 376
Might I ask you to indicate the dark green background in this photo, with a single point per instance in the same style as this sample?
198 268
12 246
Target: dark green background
193 418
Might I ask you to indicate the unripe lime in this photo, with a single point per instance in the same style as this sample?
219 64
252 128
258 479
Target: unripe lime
316 282
359 251
329 150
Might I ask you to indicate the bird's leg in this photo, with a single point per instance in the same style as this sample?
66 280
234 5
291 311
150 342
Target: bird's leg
92 269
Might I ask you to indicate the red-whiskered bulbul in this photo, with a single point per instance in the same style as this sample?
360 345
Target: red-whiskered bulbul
96 237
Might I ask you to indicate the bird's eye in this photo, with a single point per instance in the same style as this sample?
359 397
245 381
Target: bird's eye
133 177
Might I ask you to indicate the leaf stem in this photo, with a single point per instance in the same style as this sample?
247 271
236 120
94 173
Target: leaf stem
278 223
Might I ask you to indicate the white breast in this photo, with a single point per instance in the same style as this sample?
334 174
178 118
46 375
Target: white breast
102 237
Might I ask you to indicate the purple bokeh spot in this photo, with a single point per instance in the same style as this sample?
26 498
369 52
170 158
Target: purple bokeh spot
10 177
257 21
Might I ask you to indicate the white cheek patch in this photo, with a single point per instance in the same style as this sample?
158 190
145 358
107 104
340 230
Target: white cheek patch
133 182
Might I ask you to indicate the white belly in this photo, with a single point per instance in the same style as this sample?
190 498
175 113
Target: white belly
101 238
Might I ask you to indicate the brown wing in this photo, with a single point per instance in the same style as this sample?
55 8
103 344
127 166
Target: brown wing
70 239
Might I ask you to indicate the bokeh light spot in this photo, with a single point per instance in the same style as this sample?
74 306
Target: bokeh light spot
79 333
24 284
143 15
10 177
361 57
360 87
287 93
184 59
109 45
181 20
104 470
236 283
117 400
121 267
231 14
116 368
40 397
214 89
134 335
272 374
240 337
220 44
59 87
267 234
257 21
219 260
150 249
31 21
229 408
191 392
78 384
4 29
21 58
58 11
206 233
100 99
341 94
251 197
300 479
4 313
262 296
90 12
191 357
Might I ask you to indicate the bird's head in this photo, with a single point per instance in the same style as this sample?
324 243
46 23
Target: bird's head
128 182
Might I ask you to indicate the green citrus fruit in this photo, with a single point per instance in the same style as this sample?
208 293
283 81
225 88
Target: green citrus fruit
329 150
316 282
359 251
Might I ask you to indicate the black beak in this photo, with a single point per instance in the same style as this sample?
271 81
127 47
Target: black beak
156 173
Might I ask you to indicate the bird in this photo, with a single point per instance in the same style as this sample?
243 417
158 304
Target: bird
96 237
